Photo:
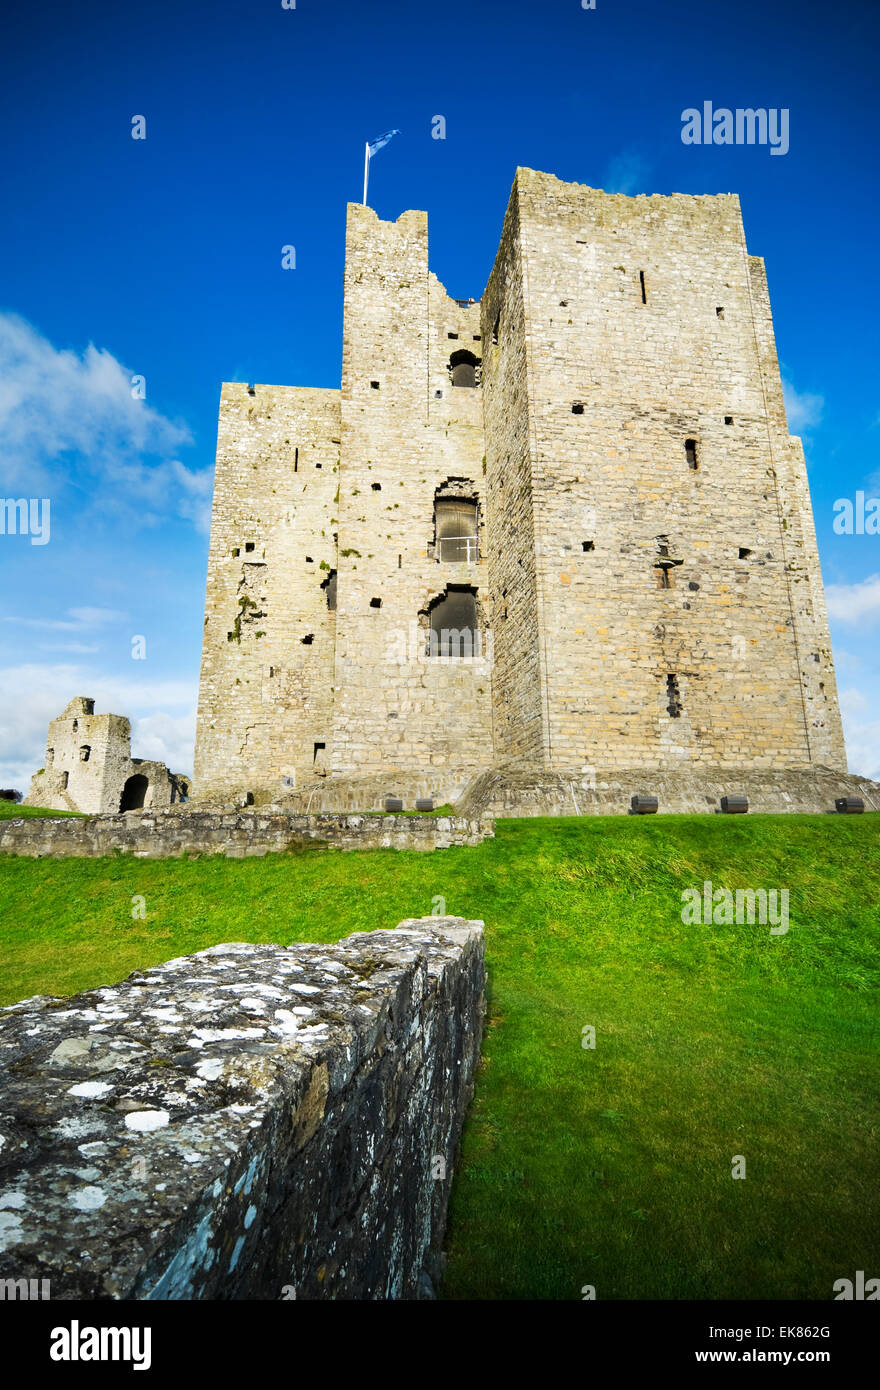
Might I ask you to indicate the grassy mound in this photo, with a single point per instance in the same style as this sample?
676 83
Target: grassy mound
608 1166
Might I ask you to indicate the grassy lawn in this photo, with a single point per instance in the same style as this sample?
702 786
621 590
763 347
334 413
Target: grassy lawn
10 811
608 1166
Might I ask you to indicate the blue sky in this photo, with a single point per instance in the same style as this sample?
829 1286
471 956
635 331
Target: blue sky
161 258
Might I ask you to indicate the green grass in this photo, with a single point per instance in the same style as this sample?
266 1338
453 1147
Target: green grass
10 811
612 1166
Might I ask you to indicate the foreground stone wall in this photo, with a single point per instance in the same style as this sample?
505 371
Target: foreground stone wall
235 834
251 1122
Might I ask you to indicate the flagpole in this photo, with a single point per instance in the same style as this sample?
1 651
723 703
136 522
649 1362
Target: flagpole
366 169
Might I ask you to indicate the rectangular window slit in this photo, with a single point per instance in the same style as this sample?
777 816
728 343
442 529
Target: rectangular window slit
643 287
673 696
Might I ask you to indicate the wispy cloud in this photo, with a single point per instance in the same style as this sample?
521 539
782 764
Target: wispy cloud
803 408
70 420
78 620
79 648
627 172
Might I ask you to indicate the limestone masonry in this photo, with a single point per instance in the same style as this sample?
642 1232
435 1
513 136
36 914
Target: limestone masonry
170 833
89 767
562 528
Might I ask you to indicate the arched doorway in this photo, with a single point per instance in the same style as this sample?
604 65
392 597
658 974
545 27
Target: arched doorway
134 793
463 368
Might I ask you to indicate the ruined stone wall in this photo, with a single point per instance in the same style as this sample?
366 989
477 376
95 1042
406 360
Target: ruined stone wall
235 834
656 343
88 762
266 687
406 430
251 1122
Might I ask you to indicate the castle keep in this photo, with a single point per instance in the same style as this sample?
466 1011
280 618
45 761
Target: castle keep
561 528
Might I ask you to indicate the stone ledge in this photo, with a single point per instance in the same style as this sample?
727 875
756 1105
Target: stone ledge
244 1121
518 790
235 834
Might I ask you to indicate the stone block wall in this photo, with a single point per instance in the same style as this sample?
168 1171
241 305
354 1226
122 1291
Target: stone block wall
406 431
266 687
672 637
236 835
252 1122
519 677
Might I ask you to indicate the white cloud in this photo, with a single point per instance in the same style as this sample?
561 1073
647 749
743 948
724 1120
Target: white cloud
862 733
162 714
852 701
627 172
803 408
69 420
855 603
845 661
166 739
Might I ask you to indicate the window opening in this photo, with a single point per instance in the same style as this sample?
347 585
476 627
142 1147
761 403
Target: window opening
455 530
453 625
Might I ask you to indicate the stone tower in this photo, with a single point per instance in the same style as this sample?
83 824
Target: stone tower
563 526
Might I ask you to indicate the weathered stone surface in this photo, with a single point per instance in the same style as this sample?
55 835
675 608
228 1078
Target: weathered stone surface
248 1122
524 791
235 834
